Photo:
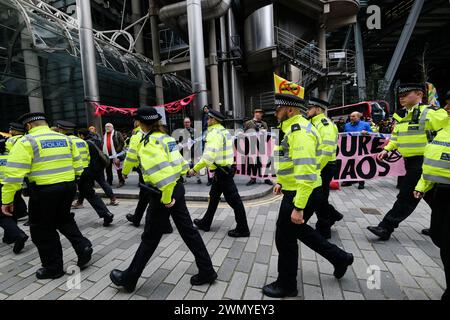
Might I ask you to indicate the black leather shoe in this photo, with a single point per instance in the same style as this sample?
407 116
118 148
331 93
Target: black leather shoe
200 225
169 230
108 219
19 244
238 234
341 268
426 232
268 182
85 257
337 217
209 183
44 273
326 233
198 279
275 290
117 277
130 217
381 232
251 182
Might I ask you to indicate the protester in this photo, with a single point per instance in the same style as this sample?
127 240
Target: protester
341 124
188 140
255 125
356 125
113 145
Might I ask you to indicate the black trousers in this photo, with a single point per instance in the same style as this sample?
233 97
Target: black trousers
143 202
329 211
156 219
287 233
224 183
86 190
440 228
109 173
99 177
49 212
9 224
406 203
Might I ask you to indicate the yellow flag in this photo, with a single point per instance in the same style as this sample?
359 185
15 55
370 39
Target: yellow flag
288 87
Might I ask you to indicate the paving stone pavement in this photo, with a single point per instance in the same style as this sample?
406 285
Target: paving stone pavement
409 265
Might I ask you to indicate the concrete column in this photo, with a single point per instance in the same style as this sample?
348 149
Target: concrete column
224 49
360 66
322 41
197 56
213 69
136 15
153 9
88 62
139 44
32 73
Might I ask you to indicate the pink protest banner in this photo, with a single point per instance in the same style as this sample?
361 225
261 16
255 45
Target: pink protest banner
253 152
356 158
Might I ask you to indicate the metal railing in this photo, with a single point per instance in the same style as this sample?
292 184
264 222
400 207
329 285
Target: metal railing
341 61
303 54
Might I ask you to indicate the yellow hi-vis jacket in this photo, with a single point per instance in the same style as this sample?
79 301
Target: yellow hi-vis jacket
436 163
11 141
3 161
161 163
131 160
410 138
218 149
83 149
43 155
329 135
297 162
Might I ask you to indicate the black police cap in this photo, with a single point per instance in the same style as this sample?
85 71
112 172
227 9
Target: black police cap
31 117
288 100
65 125
216 115
16 126
147 115
408 87
319 103
447 96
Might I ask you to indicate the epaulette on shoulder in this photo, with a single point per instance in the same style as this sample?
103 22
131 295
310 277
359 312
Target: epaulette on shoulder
435 108
295 127
325 122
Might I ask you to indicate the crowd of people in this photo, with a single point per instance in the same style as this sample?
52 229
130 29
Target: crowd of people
54 164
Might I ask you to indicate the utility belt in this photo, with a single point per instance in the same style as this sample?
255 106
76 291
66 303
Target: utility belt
153 190
229 170
34 187
443 186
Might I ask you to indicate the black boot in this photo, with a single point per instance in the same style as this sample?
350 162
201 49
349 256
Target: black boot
341 268
130 217
235 233
118 278
84 257
199 223
108 219
199 279
383 233
19 244
275 290
44 273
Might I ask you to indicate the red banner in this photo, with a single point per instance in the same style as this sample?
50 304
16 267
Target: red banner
171 107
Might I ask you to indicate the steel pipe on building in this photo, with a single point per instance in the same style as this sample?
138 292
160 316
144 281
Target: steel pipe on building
88 62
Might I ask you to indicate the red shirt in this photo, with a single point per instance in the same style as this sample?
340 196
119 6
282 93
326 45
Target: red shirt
108 142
